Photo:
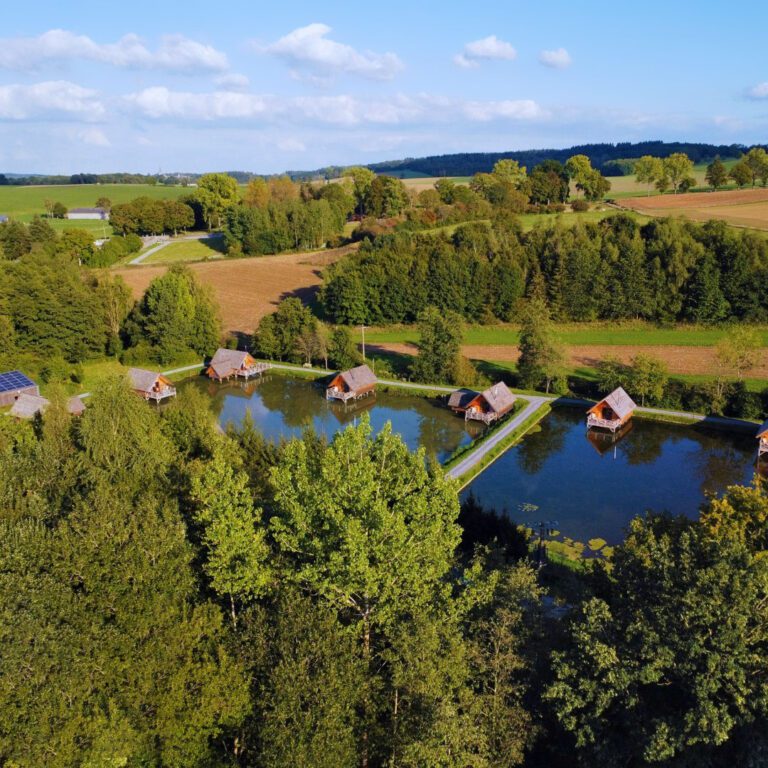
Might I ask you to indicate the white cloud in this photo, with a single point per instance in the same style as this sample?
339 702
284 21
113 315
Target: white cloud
175 53
233 81
161 103
53 99
522 109
489 48
94 137
291 145
557 59
760 91
309 48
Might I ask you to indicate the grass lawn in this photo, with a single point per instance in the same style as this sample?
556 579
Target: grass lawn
187 250
629 334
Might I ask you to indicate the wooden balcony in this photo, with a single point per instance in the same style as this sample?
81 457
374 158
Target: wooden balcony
762 446
474 414
254 370
609 424
334 393
160 394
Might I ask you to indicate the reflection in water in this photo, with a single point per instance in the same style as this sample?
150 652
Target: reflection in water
595 493
283 407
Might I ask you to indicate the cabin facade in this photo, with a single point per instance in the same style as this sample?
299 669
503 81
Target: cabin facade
486 406
612 412
762 439
28 406
352 384
230 363
151 385
88 213
13 384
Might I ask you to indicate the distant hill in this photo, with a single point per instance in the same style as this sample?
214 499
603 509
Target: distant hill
606 157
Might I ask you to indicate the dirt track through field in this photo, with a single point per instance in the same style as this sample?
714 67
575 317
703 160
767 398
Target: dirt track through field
682 360
248 289
741 208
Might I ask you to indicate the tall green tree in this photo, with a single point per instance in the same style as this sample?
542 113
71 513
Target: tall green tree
678 168
440 336
541 357
216 192
717 174
648 170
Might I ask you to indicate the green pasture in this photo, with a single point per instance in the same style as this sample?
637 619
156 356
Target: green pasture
610 334
23 203
187 250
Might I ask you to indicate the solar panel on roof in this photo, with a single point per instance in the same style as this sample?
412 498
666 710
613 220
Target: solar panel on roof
13 380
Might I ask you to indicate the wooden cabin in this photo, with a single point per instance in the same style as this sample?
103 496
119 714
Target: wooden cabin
352 384
460 399
151 385
13 384
612 412
486 406
231 363
762 438
28 406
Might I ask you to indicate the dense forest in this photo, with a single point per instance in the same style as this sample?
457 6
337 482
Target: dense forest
664 270
175 596
603 157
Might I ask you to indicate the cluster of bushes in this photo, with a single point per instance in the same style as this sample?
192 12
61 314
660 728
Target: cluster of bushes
665 270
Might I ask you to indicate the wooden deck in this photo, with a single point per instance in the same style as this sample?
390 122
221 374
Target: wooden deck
609 424
335 393
160 394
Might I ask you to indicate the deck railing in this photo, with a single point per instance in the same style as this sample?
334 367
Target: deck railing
254 370
160 394
595 421
334 393
762 446
476 415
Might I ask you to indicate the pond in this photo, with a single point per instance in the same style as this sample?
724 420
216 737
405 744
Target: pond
593 487
283 407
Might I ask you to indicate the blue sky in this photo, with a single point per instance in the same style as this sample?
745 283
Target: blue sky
195 86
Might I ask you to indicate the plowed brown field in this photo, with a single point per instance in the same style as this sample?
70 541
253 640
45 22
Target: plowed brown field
741 208
682 360
248 289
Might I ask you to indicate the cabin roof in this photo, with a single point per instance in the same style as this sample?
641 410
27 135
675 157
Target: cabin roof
619 402
142 380
762 429
461 398
13 380
28 406
359 377
498 397
227 360
87 210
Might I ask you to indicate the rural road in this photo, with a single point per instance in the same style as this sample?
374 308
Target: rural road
476 456
167 241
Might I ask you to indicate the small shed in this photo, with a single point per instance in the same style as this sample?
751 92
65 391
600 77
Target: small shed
489 405
612 412
352 384
762 438
13 384
151 385
88 213
28 406
231 363
3 218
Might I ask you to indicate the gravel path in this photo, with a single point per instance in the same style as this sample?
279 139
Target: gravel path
167 241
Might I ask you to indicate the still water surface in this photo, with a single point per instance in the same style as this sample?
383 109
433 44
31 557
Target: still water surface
593 488
282 407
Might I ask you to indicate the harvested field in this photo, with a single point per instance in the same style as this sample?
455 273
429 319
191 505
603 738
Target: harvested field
679 360
740 208
248 289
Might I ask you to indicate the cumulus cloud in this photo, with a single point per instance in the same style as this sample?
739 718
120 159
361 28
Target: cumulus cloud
759 91
309 51
557 59
489 48
57 99
175 53
232 81
342 110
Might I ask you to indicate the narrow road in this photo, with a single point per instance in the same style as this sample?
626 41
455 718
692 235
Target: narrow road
475 457
163 243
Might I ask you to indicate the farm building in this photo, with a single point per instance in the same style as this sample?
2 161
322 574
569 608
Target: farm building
28 406
229 363
762 437
486 406
88 213
151 385
352 384
13 384
612 412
